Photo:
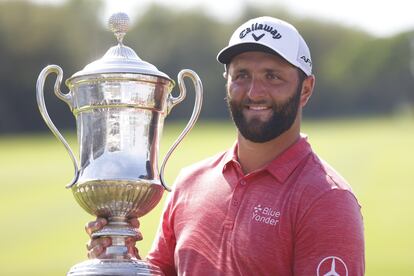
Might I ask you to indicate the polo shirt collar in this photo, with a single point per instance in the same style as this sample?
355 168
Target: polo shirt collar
283 165
230 156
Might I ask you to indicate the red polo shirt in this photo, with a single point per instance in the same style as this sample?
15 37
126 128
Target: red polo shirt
296 216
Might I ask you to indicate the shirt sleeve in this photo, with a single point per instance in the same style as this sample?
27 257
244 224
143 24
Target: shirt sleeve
162 251
330 238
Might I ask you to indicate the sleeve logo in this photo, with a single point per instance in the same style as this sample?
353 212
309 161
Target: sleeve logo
332 266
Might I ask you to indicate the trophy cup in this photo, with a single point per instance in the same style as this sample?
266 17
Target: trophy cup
120 103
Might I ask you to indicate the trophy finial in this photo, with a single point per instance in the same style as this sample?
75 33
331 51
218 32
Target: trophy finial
118 23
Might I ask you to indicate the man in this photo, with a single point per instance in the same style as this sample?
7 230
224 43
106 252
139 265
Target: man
268 205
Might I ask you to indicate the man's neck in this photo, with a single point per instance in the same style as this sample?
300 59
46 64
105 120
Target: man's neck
253 156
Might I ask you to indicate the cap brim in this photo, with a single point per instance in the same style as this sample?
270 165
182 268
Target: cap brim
228 53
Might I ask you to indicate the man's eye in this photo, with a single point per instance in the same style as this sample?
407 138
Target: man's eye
271 76
240 76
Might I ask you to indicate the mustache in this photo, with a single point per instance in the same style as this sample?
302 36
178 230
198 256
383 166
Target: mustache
248 101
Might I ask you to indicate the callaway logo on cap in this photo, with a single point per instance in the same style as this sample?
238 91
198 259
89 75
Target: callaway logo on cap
271 35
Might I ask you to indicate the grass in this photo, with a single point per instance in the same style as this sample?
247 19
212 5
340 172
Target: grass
42 225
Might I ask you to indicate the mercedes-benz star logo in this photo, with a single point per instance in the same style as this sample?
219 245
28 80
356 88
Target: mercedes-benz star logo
332 266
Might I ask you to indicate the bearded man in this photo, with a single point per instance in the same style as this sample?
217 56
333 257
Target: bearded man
268 205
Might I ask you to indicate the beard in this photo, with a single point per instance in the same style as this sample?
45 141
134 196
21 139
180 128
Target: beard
258 131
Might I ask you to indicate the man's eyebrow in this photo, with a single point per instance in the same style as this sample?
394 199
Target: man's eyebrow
239 70
272 70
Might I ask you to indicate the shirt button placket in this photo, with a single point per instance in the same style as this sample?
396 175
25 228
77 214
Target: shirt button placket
236 200
238 193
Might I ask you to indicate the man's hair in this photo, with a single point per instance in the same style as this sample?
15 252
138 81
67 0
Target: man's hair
302 76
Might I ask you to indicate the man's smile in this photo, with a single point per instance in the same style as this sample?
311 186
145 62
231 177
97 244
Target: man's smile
258 107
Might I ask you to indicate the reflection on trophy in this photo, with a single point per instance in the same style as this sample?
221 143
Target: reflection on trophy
120 103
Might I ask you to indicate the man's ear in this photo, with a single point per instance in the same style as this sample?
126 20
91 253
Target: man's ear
307 89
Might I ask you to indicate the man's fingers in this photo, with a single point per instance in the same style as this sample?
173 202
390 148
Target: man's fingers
130 244
134 222
93 226
95 252
102 242
130 241
97 246
138 236
134 252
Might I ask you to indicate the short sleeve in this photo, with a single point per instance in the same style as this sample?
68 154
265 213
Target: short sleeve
329 237
162 251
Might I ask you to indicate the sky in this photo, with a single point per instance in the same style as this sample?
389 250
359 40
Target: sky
379 17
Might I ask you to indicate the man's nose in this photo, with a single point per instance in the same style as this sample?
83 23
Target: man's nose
256 89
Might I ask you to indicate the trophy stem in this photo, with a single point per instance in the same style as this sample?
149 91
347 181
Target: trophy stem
116 261
118 229
117 226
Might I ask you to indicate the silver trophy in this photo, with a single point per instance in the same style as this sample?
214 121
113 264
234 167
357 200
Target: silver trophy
120 103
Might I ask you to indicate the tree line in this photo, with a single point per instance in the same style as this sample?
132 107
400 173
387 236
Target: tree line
357 73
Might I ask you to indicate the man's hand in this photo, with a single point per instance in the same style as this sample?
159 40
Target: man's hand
97 246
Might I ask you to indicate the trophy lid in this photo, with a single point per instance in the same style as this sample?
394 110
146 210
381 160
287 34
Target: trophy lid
120 58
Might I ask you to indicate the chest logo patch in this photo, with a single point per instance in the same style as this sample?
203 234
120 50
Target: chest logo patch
332 266
265 215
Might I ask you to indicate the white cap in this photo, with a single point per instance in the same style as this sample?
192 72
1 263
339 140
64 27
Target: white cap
271 35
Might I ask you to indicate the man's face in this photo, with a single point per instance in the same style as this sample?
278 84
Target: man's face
263 95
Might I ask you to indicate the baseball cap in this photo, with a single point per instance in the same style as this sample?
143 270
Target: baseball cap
270 35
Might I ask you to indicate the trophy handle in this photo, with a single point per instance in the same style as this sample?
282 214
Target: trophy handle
67 98
198 87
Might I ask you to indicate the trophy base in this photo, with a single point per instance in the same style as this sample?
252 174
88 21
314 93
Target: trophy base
109 267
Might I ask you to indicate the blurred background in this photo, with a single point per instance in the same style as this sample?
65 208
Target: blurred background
360 117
